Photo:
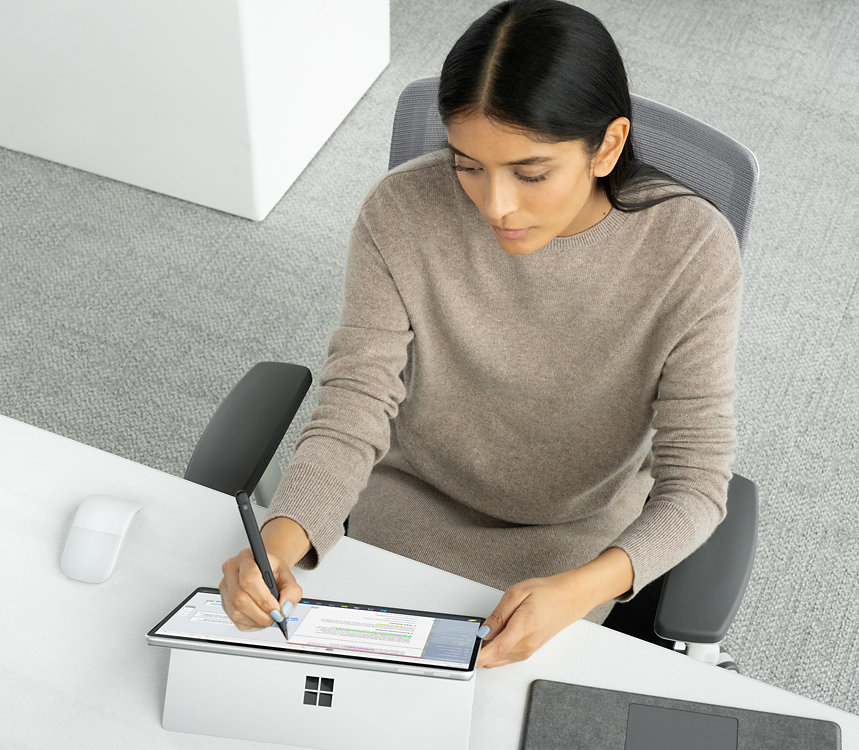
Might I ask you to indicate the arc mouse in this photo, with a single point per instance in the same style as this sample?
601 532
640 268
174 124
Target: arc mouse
96 536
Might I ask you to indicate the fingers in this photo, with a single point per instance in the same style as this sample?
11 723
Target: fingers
510 601
290 594
514 643
502 628
246 598
525 618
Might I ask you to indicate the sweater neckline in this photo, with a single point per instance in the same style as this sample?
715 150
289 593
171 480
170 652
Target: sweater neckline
598 233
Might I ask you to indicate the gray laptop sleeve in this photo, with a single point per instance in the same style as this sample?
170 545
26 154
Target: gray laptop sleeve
569 717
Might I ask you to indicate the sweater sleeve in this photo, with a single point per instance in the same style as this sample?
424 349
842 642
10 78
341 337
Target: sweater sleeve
693 445
359 392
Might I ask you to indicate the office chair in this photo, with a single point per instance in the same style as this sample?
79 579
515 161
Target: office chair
692 606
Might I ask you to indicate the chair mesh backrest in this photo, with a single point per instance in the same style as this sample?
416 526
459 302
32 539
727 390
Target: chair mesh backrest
708 161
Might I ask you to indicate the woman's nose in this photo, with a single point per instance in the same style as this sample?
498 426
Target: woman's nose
501 200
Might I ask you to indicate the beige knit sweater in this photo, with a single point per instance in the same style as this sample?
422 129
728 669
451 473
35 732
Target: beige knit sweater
505 416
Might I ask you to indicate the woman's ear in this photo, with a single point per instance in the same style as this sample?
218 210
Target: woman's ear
612 146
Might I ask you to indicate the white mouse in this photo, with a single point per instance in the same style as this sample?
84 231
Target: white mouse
96 536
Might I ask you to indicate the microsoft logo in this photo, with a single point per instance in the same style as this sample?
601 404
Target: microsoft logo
318 691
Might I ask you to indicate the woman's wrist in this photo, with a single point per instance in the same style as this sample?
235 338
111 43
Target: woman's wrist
286 539
608 576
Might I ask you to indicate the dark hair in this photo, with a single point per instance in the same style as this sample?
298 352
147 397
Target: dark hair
554 71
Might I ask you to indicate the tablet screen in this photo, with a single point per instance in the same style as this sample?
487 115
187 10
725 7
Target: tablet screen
317 626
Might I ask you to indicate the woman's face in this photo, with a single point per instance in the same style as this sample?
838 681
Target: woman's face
528 191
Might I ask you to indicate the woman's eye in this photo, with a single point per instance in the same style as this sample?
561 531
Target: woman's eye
524 178
538 178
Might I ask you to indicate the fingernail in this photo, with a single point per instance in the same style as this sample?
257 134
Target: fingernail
483 631
276 616
287 608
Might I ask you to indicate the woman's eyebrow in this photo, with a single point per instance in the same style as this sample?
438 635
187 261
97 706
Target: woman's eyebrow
517 163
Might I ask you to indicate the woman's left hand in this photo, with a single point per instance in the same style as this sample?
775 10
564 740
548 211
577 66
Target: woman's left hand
533 611
528 615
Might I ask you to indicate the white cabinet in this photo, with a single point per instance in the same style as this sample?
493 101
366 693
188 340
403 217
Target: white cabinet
218 102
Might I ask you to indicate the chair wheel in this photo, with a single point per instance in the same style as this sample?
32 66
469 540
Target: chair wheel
726 661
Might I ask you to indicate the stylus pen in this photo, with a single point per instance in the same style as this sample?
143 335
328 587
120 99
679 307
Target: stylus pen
258 548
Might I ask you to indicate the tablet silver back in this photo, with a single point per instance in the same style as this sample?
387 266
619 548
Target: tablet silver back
314 706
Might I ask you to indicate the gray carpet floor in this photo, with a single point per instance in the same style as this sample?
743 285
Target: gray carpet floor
127 315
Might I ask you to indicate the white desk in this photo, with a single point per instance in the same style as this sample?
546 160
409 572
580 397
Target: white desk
76 670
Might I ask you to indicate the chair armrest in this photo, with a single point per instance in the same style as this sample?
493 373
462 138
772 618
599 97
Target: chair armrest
244 433
702 594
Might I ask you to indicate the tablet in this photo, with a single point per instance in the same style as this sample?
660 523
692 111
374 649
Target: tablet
342 634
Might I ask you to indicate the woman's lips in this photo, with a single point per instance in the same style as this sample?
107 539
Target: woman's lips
511 234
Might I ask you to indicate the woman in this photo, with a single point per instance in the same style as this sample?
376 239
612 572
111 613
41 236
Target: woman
538 333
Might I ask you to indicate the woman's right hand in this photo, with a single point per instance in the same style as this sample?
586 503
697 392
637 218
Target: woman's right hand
245 597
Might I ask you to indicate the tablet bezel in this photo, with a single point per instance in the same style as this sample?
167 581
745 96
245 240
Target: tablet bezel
344 660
